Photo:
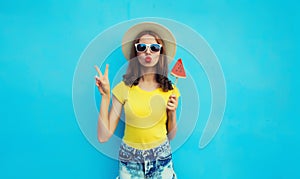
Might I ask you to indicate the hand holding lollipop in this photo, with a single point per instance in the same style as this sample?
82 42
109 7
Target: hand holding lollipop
179 72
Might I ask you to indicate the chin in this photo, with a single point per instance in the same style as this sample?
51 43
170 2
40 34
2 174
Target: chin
152 64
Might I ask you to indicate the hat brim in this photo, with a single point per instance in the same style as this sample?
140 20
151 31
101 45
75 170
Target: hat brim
164 33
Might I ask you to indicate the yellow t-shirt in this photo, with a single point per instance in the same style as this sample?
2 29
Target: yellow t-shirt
145 115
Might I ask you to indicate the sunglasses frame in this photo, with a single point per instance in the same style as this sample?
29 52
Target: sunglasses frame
147 46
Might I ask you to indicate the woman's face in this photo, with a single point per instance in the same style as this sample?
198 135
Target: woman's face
148 58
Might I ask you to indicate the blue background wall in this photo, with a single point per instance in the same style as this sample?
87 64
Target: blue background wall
257 44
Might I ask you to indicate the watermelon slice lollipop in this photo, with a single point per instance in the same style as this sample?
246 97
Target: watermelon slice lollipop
178 70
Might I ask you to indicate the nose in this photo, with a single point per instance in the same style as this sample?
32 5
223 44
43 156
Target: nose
148 50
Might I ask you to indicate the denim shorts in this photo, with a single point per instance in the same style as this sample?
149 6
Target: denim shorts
153 163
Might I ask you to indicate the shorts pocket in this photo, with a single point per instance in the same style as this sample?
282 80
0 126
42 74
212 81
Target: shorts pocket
125 153
164 154
125 156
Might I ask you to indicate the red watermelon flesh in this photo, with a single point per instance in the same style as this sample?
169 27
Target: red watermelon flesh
178 69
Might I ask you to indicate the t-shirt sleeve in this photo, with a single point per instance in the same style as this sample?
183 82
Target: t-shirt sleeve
176 92
120 91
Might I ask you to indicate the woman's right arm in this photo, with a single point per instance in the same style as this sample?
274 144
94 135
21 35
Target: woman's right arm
107 123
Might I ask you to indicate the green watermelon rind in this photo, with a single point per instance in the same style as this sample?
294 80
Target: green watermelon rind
178 76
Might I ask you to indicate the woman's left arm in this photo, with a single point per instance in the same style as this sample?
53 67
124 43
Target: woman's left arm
171 114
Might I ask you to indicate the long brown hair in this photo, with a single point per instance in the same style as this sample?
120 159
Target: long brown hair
132 76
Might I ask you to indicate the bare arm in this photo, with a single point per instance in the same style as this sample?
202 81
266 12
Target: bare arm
171 114
171 125
107 123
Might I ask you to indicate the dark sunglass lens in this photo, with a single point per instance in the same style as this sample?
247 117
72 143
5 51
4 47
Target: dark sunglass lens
155 47
141 47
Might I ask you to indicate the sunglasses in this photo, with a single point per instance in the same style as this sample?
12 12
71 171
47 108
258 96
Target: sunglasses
143 47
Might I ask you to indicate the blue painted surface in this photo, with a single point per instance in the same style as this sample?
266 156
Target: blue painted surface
257 44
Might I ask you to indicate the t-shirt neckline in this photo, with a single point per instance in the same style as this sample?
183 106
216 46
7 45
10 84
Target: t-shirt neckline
140 89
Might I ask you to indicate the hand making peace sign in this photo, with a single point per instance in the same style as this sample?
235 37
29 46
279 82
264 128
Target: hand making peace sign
102 82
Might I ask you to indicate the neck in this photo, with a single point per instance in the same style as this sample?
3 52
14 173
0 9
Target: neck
148 82
148 74
149 78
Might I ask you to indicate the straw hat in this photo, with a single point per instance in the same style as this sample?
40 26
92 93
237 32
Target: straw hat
164 33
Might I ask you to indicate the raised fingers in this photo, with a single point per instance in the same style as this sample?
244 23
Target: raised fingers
98 70
106 70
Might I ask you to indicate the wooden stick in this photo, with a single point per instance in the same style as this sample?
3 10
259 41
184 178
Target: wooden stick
175 85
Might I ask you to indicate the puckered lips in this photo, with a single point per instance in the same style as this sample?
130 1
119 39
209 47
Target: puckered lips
148 59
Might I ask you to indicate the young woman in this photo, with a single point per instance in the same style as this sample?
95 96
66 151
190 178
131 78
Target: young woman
149 100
